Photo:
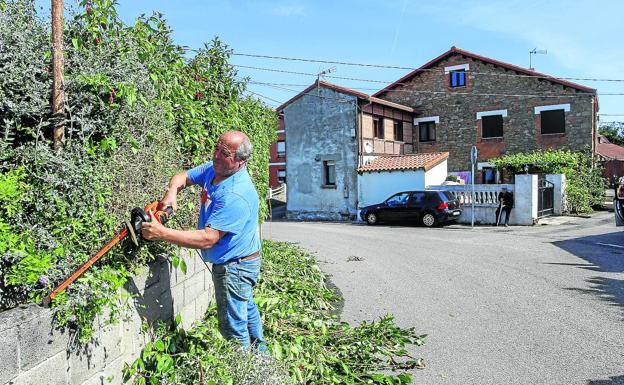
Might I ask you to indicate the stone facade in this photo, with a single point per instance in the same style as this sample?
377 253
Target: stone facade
489 87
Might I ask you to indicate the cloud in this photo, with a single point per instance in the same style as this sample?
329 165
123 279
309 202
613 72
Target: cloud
289 10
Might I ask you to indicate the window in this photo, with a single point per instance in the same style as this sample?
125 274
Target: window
281 148
281 176
378 128
492 126
427 131
458 78
397 199
329 172
398 131
553 122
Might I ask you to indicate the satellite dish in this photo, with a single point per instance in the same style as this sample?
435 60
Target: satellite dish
368 147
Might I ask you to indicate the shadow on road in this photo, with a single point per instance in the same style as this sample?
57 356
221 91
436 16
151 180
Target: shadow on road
619 380
604 253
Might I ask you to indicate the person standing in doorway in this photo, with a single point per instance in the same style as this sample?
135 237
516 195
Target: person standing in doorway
228 234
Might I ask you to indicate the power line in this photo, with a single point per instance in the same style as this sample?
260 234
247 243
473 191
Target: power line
441 92
265 97
382 81
420 69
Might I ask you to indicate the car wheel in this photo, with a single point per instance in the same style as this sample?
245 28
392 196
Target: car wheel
372 218
428 220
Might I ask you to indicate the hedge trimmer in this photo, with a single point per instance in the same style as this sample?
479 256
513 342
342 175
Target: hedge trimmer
132 228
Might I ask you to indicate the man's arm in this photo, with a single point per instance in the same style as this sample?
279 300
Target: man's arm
177 183
193 239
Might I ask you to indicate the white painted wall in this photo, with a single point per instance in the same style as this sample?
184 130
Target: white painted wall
559 198
525 199
437 174
375 187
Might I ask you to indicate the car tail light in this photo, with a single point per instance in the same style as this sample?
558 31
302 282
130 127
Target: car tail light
443 206
620 191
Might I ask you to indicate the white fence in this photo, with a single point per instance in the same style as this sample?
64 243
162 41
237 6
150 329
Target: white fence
485 194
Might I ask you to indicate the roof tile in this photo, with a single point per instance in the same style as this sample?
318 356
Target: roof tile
405 162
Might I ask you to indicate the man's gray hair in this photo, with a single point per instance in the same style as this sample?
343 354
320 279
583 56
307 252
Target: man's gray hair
243 152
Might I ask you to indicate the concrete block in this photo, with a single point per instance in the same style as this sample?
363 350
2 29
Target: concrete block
39 340
9 363
193 287
130 327
177 297
108 340
86 363
202 302
110 375
52 371
156 304
188 316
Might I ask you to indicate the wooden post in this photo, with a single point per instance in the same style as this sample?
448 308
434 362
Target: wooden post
58 94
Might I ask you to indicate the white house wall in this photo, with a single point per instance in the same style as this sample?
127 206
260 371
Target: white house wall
375 187
437 174
321 126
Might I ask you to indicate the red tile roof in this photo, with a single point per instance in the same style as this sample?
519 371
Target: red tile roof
344 90
508 66
405 162
610 151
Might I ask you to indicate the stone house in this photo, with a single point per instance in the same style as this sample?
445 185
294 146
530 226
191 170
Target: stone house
464 99
332 131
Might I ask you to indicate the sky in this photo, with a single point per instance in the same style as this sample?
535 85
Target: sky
582 38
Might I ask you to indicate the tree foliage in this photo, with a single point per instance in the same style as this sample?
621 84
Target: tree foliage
614 131
585 184
138 109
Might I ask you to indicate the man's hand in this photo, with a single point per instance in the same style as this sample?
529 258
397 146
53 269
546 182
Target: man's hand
170 199
153 230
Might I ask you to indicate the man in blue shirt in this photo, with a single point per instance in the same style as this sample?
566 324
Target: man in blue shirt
227 234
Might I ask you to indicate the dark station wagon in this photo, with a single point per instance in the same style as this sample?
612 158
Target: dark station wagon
429 208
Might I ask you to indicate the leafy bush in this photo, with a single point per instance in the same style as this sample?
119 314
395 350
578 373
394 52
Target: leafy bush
138 110
301 332
585 184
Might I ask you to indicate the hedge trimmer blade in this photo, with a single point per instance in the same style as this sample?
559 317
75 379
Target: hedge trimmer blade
132 228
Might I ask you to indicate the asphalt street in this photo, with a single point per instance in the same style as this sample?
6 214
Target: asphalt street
517 305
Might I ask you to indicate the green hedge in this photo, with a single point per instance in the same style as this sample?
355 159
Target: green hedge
138 109
585 184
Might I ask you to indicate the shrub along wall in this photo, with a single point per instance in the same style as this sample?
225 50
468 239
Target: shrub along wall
138 110
32 349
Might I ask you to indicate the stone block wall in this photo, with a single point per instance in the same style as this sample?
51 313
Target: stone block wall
488 88
33 352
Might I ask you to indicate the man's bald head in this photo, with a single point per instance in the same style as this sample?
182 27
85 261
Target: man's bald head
237 142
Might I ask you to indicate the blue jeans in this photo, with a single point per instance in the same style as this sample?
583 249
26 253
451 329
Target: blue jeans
237 312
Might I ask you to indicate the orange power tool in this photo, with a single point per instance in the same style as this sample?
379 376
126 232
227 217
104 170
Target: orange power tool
132 228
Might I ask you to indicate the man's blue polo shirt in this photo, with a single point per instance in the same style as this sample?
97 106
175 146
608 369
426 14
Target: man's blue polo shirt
230 206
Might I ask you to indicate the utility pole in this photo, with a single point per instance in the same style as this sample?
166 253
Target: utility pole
58 93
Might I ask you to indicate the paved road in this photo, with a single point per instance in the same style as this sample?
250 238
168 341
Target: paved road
517 305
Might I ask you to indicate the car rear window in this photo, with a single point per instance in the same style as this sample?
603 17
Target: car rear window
447 195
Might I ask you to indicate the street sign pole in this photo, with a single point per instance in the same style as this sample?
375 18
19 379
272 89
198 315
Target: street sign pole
473 160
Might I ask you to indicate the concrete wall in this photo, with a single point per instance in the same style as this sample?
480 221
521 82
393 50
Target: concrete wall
525 192
437 174
33 352
321 126
459 128
559 199
375 187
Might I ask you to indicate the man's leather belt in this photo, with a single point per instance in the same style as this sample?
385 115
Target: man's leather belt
249 257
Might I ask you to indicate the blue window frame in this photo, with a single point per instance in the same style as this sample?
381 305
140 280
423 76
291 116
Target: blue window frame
458 78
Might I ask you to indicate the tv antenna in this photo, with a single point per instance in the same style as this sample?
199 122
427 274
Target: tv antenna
535 51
